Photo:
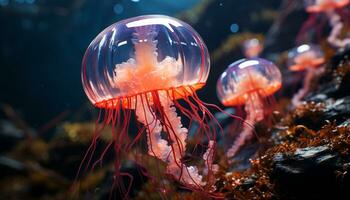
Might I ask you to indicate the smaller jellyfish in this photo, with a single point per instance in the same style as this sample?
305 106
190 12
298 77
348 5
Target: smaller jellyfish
309 58
337 15
324 5
252 48
248 82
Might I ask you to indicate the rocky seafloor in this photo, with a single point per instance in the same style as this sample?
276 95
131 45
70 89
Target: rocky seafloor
308 157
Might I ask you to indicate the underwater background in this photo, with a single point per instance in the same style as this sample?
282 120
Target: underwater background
47 122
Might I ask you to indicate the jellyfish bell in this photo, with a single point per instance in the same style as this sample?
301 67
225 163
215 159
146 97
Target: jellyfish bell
316 6
245 77
252 48
144 54
305 56
248 83
308 58
144 65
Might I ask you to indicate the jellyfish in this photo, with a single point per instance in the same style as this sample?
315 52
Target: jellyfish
148 69
248 82
252 48
307 57
337 15
325 5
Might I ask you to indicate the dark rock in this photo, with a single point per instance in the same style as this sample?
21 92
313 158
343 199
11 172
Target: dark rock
314 116
9 135
334 83
337 88
242 159
345 124
339 110
311 115
342 85
308 173
318 98
248 183
10 166
340 56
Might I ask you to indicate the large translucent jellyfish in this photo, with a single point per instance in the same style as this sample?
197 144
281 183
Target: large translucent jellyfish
337 15
144 66
308 58
252 48
248 82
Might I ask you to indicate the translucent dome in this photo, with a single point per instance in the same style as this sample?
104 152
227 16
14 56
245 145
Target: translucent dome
143 54
245 77
304 56
324 5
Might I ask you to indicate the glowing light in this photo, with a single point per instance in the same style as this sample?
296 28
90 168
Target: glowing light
153 21
118 8
122 43
303 48
234 28
224 74
248 63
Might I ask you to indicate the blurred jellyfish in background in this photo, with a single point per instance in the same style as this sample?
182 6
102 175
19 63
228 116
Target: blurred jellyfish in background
142 67
324 5
337 15
308 58
252 48
248 83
